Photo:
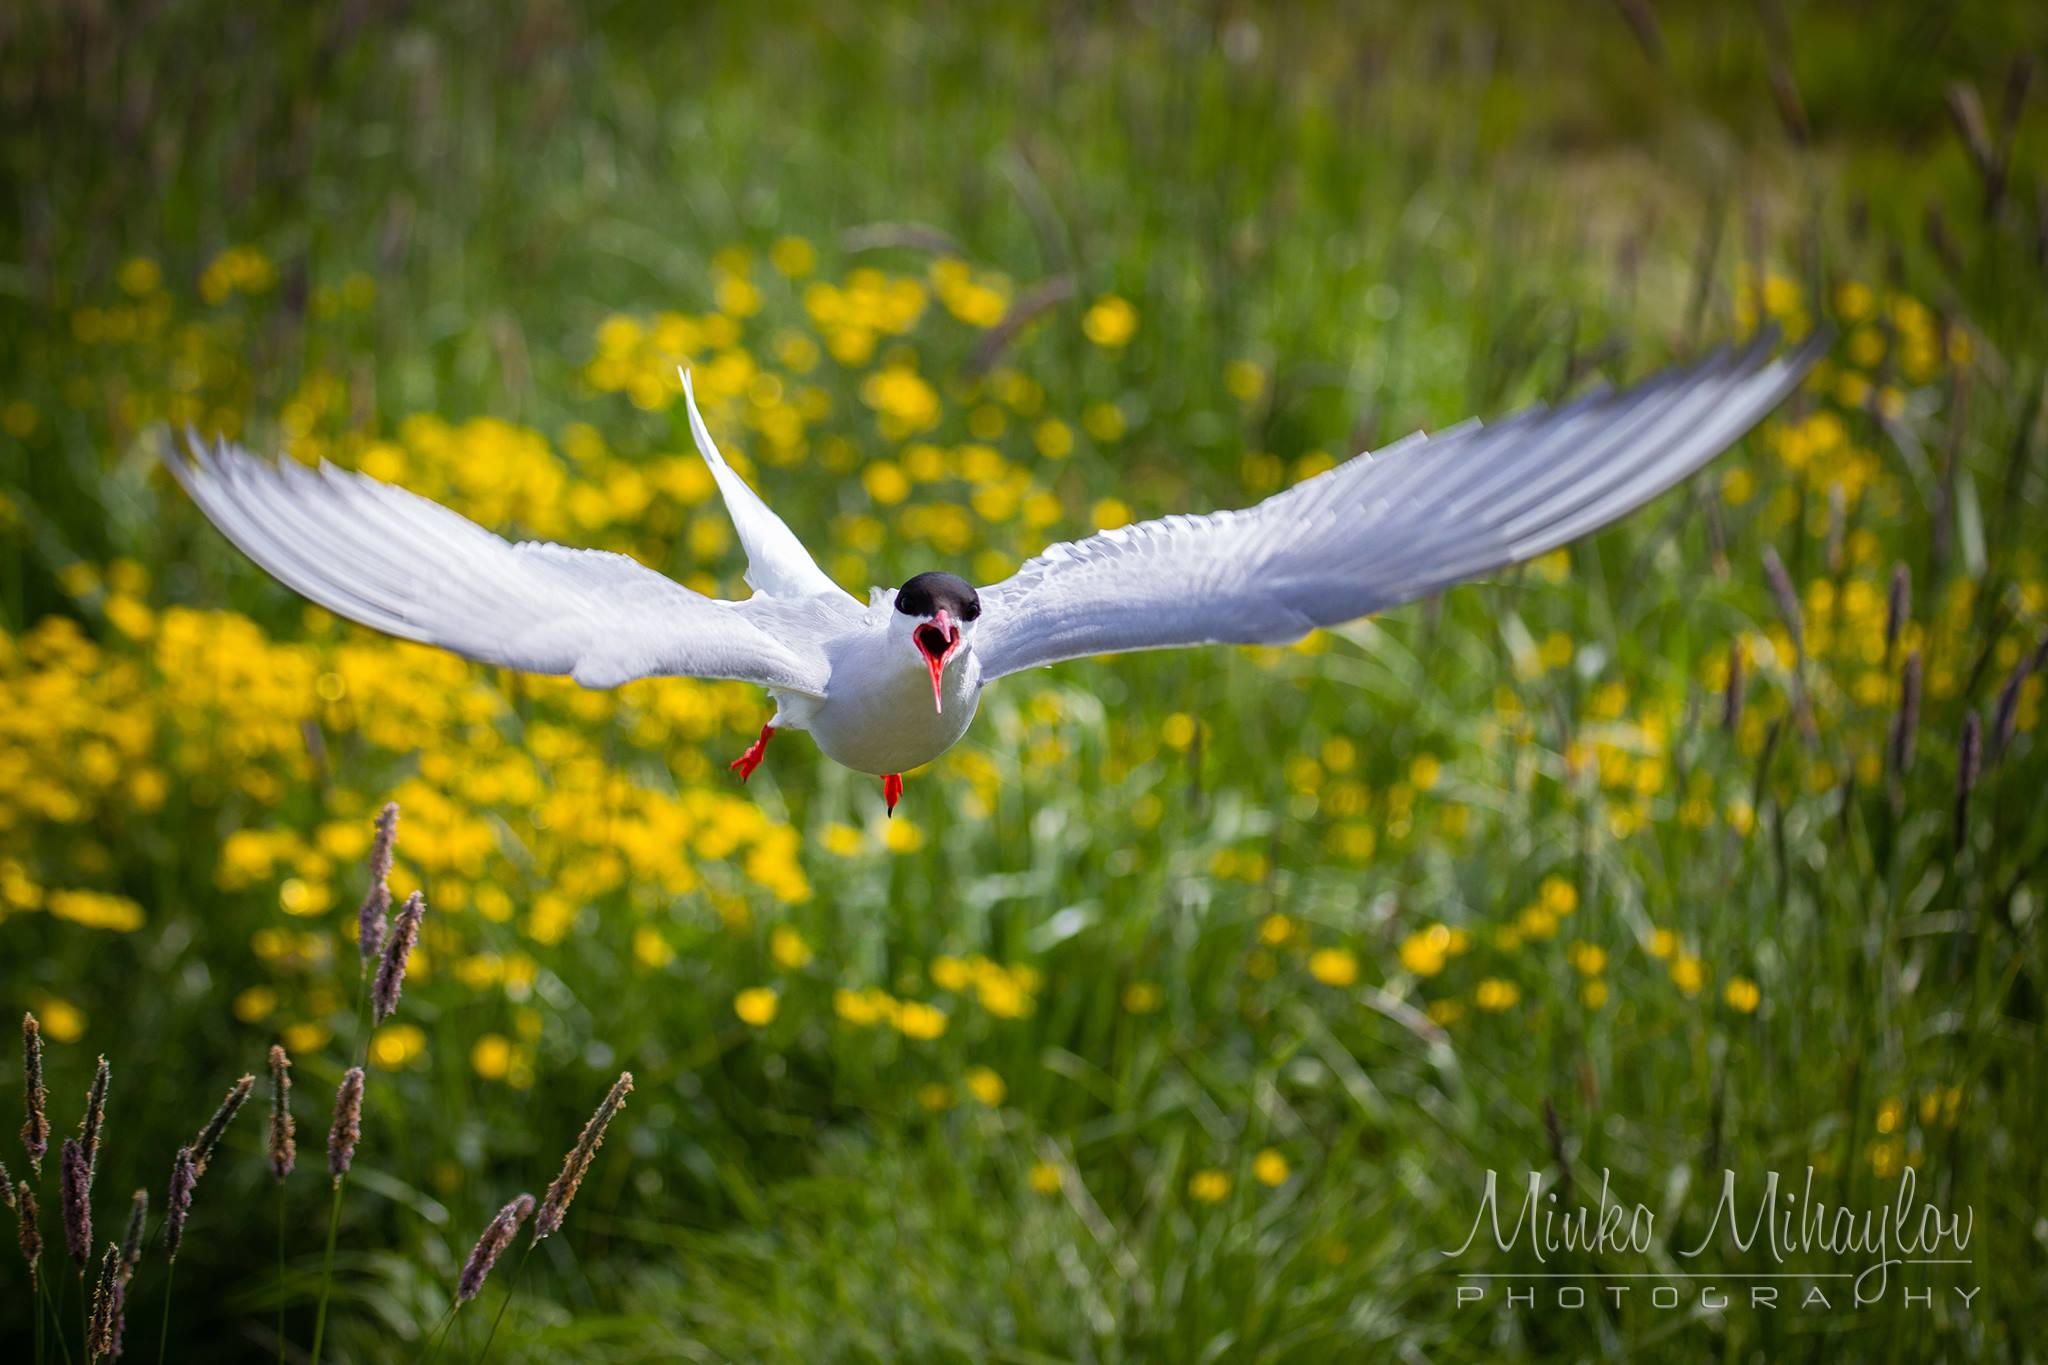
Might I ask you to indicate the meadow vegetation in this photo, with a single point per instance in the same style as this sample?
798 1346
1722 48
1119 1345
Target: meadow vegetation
1180 1011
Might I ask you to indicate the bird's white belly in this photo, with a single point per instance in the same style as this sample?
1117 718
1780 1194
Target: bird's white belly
883 721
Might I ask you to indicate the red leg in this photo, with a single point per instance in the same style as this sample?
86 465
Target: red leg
745 764
892 790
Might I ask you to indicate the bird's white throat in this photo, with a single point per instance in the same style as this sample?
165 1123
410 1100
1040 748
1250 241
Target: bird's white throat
878 714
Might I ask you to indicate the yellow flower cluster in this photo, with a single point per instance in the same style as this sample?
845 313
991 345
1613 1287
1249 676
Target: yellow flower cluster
854 316
1005 992
239 269
977 298
531 807
912 1018
206 703
1426 951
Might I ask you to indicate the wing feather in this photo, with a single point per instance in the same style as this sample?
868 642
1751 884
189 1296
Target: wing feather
1380 530
399 563
777 562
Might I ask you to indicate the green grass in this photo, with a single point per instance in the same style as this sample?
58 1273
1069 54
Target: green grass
1398 220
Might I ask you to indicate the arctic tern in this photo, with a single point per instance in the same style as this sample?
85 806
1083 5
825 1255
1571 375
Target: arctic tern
889 685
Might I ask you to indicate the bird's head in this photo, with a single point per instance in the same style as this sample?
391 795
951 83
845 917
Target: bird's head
937 611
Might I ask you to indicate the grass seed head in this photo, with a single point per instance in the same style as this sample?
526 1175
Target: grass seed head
95 1116
209 1137
405 932
1969 763
284 1150
1838 525
6 1186
75 1194
377 899
1906 724
1788 600
178 1200
577 1164
120 1318
131 1241
35 1133
497 1236
106 1296
1898 606
2006 716
1731 698
29 1230
348 1123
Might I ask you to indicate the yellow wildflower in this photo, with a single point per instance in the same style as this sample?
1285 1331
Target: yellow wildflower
793 257
62 1021
306 1036
1110 513
1246 379
1104 421
885 482
788 948
859 1008
396 1044
756 1005
1110 322
1425 951
491 1057
96 910
985 1085
255 1004
1495 995
650 949
1054 439
920 1021
1333 966
139 275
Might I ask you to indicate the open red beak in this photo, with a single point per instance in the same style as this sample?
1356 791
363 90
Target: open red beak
937 639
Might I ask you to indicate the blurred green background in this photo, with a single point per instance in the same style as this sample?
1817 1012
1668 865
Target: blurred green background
1181 1010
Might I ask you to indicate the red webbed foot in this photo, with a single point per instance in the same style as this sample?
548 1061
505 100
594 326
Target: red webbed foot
745 764
892 790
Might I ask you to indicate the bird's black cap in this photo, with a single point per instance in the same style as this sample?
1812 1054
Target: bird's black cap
926 593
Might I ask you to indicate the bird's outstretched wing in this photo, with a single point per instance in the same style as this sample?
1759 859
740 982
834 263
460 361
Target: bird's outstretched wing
778 565
401 564
1381 529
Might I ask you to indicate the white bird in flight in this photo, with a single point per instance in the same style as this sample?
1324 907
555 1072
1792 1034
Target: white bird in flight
891 684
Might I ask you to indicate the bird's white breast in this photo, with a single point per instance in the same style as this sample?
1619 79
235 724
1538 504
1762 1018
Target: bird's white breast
877 715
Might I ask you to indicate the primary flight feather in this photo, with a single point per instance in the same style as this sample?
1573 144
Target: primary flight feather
890 684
